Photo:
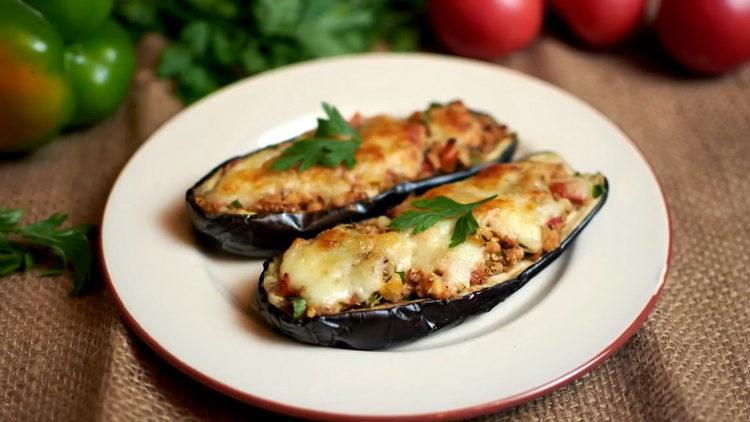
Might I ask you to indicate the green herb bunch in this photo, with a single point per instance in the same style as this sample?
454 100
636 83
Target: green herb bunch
216 42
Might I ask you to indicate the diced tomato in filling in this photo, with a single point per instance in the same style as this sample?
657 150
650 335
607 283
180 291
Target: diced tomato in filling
555 222
478 276
284 290
449 156
356 120
576 190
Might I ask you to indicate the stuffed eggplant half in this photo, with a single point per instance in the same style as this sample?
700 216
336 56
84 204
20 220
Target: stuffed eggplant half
344 171
453 252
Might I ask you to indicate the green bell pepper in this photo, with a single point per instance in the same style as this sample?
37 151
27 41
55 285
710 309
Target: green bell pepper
76 20
46 85
99 70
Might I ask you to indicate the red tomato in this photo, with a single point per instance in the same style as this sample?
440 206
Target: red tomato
601 23
485 29
706 36
576 190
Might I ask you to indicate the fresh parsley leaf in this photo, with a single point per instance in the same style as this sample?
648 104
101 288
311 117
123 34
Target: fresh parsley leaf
225 51
28 260
174 60
252 60
466 225
140 15
402 275
335 126
12 257
71 246
196 82
9 218
224 9
333 143
374 300
428 212
597 191
299 306
236 204
404 39
197 36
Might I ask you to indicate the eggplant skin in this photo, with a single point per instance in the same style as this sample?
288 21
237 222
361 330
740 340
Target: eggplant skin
262 235
379 328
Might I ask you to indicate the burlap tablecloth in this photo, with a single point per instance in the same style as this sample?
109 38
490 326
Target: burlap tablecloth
66 358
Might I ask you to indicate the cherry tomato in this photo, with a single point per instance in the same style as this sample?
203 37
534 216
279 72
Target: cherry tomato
485 29
601 23
706 36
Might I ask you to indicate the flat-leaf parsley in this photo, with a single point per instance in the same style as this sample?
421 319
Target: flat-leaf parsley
333 143
20 244
429 211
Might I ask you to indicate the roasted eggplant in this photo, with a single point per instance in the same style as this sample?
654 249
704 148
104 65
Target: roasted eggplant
246 207
372 284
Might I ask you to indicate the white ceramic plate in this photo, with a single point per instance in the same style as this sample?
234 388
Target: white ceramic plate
195 307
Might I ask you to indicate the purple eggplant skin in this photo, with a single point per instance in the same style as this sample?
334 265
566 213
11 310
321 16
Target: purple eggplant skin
263 235
379 328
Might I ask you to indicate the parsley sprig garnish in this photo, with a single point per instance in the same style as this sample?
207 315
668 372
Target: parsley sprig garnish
429 211
333 143
20 246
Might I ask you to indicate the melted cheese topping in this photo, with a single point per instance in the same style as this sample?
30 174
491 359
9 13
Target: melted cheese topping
345 266
392 151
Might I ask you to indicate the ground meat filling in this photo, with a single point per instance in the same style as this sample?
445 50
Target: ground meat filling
466 138
501 254
538 203
286 201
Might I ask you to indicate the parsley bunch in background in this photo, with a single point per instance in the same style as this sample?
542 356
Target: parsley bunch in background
215 42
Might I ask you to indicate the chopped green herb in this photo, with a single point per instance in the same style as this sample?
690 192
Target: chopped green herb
19 244
374 300
429 211
236 204
597 191
333 143
402 275
299 306
466 225
426 118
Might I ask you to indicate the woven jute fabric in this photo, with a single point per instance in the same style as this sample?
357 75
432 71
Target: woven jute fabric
64 358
